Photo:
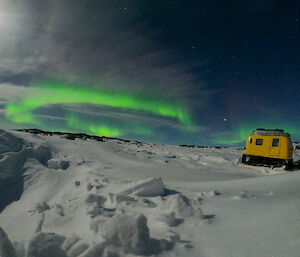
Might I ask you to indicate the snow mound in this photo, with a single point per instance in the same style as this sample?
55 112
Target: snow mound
180 205
14 152
170 219
46 245
131 235
145 188
129 232
12 159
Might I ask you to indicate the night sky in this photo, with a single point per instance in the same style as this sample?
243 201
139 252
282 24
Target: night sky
179 72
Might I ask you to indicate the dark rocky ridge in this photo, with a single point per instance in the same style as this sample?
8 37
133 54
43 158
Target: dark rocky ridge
73 136
83 136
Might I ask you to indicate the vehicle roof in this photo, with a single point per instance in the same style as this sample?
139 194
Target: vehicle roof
269 132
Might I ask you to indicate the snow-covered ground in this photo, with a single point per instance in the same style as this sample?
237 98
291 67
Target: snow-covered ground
88 198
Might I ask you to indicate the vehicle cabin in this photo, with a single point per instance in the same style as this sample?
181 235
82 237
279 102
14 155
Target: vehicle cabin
269 144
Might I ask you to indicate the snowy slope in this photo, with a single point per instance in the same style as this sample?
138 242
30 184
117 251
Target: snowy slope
117 198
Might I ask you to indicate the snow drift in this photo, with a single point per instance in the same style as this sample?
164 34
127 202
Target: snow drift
14 152
90 197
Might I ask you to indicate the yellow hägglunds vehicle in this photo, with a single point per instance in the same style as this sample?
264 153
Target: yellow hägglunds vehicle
269 147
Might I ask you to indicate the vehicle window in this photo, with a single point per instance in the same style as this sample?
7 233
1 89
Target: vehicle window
251 141
259 141
275 142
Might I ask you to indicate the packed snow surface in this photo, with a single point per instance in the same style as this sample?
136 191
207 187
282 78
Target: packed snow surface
89 198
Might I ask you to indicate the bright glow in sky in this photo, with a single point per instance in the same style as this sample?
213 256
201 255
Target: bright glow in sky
75 122
174 78
54 93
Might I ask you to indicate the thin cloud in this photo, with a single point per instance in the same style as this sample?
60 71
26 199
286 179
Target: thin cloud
105 49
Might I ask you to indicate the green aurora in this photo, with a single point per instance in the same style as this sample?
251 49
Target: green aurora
105 130
240 134
54 93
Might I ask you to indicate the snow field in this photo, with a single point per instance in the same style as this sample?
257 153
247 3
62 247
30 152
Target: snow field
89 199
